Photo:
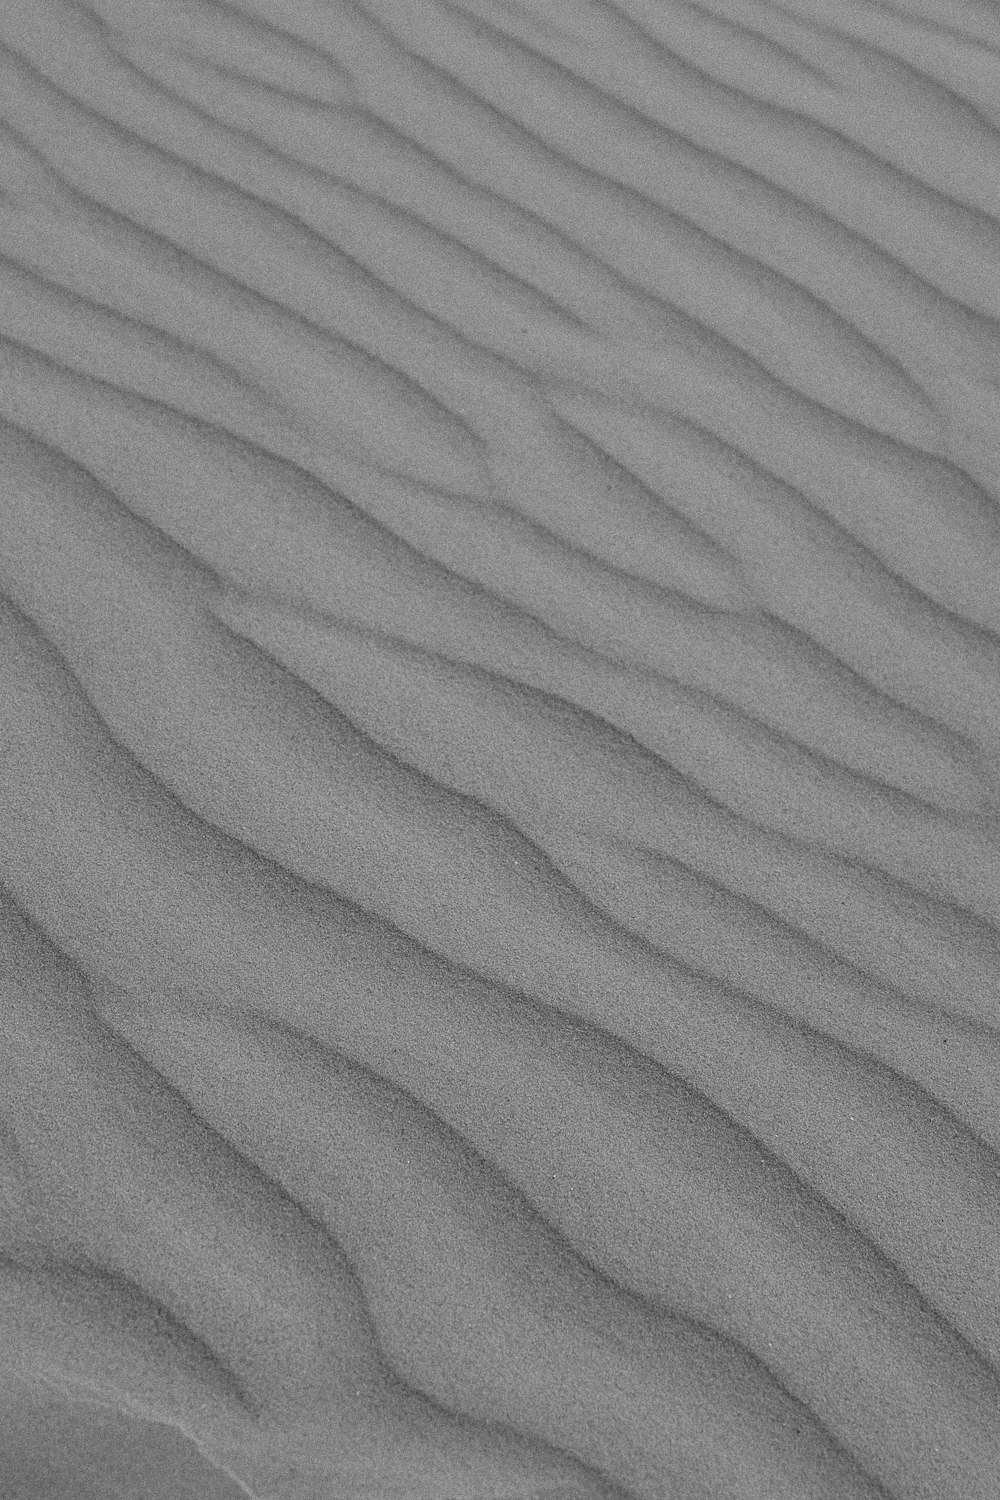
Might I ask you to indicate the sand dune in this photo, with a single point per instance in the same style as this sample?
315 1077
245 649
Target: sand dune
499 793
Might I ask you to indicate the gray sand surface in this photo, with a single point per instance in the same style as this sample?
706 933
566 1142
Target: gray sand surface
499 750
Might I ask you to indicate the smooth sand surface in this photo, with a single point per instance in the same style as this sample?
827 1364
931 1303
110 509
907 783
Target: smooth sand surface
499 750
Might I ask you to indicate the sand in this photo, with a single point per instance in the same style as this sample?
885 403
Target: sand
500 715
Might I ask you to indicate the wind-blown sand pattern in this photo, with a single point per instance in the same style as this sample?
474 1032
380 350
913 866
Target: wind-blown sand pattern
499 791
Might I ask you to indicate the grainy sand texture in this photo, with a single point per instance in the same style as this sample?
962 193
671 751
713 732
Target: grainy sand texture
499 750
